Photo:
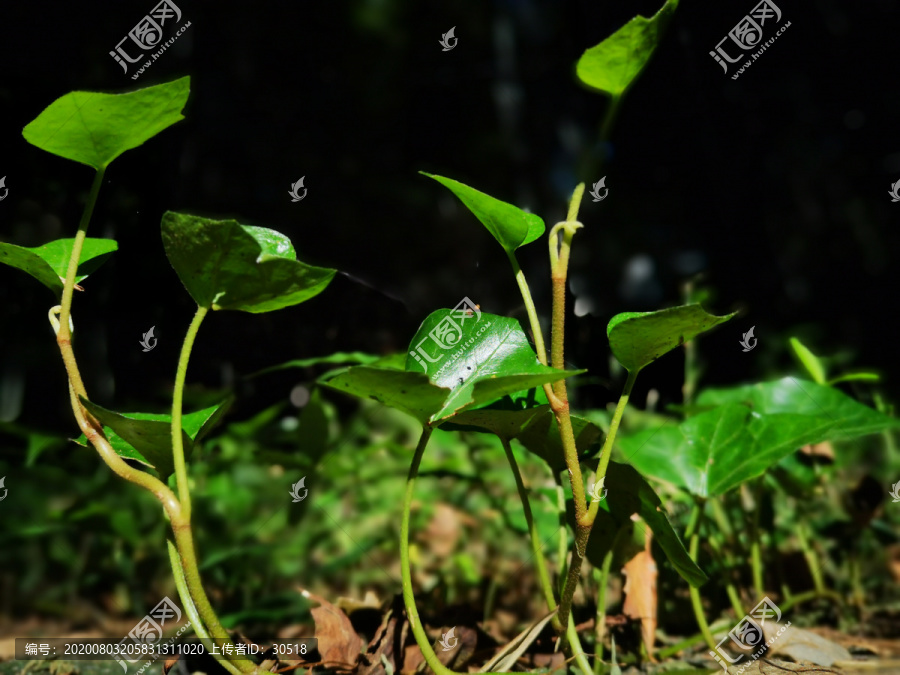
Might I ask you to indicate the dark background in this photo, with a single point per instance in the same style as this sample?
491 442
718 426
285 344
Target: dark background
774 185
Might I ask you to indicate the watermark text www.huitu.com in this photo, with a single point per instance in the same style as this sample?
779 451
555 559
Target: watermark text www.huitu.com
148 34
449 334
748 634
748 35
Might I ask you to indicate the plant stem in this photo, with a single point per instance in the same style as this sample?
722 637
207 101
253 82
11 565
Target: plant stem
64 335
671 650
529 308
755 544
563 531
577 650
409 600
606 450
181 478
609 117
191 609
785 605
93 432
696 603
602 577
585 520
812 560
539 560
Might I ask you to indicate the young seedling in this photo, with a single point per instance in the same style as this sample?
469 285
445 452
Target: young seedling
224 266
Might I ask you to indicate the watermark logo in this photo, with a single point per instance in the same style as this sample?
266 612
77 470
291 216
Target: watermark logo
295 490
5 490
595 488
6 189
295 190
595 191
894 193
148 630
745 343
145 343
148 34
895 491
446 644
747 634
448 334
748 34
445 40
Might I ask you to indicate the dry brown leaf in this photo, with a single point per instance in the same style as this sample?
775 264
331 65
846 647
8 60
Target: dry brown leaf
802 645
339 644
385 644
640 592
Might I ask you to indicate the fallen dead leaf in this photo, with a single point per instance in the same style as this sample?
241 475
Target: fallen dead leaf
640 592
339 645
802 645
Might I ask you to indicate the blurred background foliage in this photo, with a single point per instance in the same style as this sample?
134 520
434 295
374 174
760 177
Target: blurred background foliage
773 186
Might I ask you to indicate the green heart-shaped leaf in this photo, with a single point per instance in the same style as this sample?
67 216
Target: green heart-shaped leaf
629 493
510 225
50 262
410 392
95 128
472 352
226 265
639 338
802 397
147 437
753 428
614 64
491 358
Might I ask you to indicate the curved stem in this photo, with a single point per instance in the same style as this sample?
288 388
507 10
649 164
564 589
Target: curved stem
184 491
585 518
409 600
577 650
191 609
539 560
64 334
93 430
529 308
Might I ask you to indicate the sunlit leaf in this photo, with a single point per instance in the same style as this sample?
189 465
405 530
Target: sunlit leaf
614 64
470 361
510 225
639 338
94 128
753 428
226 265
50 262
